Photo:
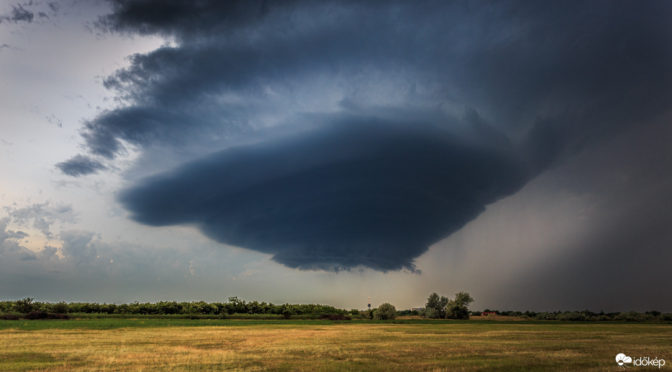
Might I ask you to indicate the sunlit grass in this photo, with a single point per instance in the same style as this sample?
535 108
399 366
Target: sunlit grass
310 346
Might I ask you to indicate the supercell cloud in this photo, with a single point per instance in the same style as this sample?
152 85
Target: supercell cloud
359 192
338 134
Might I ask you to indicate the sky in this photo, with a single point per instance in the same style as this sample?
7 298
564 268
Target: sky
328 152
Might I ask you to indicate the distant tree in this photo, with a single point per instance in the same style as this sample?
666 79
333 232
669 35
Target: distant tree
463 299
458 308
287 311
24 305
60 307
385 311
436 306
236 305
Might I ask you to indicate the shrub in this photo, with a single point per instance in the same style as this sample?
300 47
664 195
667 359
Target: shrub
287 311
432 313
58 316
653 313
24 306
571 316
385 311
60 308
36 315
630 316
335 317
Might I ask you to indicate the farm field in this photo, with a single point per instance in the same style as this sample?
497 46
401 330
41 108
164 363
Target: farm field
295 345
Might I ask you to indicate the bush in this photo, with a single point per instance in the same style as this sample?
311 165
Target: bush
59 316
60 308
33 315
287 311
24 306
36 315
630 316
385 311
335 317
571 316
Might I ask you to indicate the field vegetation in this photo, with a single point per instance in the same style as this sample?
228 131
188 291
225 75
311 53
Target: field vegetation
308 345
240 335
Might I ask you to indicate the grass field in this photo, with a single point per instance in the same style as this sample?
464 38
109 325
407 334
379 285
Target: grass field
201 345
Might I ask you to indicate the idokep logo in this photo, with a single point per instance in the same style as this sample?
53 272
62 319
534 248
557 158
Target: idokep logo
624 361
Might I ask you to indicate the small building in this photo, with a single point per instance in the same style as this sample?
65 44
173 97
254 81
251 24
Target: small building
487 313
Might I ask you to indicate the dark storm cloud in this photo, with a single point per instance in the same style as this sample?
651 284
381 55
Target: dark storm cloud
18 14
80 165
580 69
543 80
182 17
359 192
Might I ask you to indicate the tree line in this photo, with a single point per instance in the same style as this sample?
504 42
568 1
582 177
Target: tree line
437 307
584 315
234 305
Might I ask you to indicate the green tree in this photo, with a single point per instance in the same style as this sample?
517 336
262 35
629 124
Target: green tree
385 311
436 306
459 307
25 305
287 311
60 307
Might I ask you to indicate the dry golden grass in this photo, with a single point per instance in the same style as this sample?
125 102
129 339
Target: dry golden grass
315 347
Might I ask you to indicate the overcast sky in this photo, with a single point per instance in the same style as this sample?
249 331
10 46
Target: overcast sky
325 152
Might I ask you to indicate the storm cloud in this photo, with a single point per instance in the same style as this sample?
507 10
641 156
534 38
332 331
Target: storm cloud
578 69
18 14
346 194
338 134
